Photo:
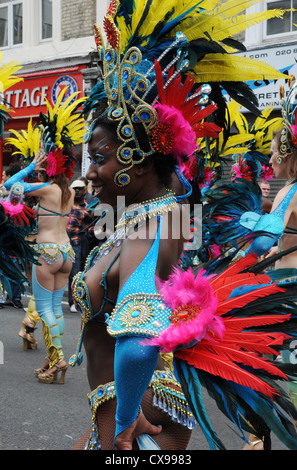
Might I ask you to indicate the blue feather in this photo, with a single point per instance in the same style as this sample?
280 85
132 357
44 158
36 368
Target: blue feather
192 389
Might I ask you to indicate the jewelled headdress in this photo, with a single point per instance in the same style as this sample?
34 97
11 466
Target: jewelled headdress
163 70
171 125
288 138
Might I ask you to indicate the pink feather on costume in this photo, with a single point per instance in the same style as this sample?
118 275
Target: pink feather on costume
51 165
185 290
185 140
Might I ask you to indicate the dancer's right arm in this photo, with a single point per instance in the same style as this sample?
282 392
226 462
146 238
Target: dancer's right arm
22 174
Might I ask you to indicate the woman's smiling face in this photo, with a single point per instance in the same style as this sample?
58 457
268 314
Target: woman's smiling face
104 165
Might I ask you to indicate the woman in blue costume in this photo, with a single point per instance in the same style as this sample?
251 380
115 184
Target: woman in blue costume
52 244
282 220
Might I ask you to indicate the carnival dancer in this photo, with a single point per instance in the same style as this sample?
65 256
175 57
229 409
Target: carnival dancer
284 213
58 131
15 218
148 115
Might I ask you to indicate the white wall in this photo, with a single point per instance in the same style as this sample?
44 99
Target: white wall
33 50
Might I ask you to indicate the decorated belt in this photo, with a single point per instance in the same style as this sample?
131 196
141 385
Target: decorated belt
165 398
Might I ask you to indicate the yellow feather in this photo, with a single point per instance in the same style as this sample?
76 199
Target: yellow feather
225 67
138 11
27 142
234 7
59 99
231 27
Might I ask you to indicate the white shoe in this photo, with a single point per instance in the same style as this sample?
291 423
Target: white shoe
73 309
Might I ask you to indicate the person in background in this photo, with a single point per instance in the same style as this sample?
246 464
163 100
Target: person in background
266 202
77 229
92 201
16 293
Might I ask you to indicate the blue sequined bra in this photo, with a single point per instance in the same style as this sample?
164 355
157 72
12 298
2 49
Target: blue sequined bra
140 310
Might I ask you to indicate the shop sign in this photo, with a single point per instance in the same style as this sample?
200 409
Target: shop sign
28 98
283 58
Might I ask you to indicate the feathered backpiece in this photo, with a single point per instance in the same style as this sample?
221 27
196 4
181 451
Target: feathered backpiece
225 204
60 129
15 208
7 80
27 142
288 138
164 67
13 244
222 329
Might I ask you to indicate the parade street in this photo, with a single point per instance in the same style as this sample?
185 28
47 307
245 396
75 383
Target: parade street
36 416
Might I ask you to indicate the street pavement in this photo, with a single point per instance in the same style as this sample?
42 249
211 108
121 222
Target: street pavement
35 416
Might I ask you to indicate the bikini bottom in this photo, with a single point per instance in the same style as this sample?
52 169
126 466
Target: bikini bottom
165 398
55 253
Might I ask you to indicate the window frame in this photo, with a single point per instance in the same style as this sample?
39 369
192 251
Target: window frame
10 19
287 34
41 39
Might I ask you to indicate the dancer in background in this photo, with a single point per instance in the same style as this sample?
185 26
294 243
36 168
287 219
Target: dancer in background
50 276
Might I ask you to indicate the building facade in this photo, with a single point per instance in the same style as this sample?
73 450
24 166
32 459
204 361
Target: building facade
53 40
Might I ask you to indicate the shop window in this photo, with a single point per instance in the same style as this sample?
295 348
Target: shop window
46 8
11 23
285 25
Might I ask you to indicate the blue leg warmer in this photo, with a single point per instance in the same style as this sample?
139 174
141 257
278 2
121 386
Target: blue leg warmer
134 368
44 301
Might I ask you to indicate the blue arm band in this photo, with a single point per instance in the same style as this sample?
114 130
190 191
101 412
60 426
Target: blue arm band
262 244
20 176
134 367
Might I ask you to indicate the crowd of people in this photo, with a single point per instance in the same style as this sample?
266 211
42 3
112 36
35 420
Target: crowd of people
158 319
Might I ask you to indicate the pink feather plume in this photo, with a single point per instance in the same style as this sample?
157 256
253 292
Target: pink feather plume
184 289
184 135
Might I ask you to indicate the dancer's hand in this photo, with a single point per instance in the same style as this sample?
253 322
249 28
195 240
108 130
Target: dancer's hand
124 440
39 158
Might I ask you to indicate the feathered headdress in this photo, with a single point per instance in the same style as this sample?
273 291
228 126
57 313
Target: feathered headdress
62 128
27 142
7 80
250 146
56 133
180 47
288 138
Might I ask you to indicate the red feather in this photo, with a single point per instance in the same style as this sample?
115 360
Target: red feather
224 288
229 353
226 369
235 268
235 323
242 300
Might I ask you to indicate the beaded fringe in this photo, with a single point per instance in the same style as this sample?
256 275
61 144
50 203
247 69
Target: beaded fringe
168 400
